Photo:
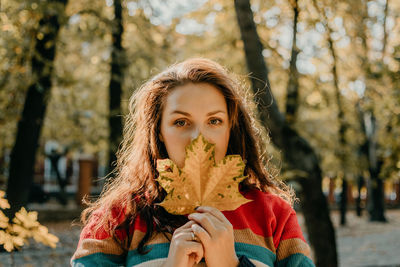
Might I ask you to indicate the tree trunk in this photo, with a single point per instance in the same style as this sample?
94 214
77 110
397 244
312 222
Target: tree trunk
341 152
29 126
343 202
297 152
115 87
293 84
376 200
375 205
385 35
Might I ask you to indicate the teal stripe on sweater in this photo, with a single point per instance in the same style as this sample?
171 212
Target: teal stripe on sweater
296 260
258 253
158 251
99 259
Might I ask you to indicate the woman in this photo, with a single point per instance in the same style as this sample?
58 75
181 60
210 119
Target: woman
125 226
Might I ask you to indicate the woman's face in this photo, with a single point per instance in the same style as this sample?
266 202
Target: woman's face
192 109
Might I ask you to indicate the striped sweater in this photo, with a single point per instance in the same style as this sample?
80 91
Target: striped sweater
265 230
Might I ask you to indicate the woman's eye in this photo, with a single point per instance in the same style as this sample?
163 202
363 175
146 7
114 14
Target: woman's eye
180 123
215 121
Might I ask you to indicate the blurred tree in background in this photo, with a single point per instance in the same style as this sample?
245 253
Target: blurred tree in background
297 152
30 122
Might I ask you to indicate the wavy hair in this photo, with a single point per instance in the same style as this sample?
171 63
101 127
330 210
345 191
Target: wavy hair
134 187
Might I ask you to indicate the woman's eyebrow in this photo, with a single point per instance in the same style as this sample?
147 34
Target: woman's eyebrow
215 112
187 114
180 112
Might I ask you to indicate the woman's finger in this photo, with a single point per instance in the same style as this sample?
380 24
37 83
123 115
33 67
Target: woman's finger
214 211
201 234
186 235
196 251
185 226
184 245
207 221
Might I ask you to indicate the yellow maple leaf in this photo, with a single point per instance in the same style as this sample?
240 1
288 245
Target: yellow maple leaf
42 235
20 230
3 220
10 241
26 219
25 225
201 182
3 202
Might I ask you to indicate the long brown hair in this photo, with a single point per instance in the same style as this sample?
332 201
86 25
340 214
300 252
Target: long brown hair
134 187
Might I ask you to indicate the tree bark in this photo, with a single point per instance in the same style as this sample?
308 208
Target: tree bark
341 153
293 84
297 152
115 86
385 35
30 124
375 203
343 202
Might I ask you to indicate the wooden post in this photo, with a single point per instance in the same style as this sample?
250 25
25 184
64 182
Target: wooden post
331 195
350 198
85 178
396 186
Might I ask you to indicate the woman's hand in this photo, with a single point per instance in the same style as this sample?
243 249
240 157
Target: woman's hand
216 234
183 250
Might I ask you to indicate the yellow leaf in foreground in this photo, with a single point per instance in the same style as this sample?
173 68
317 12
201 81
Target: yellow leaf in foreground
10 242
3 220
201 182
42 235
20 230
26 219
25 225
3 202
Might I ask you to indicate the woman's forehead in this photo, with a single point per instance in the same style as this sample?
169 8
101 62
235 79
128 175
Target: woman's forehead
195 97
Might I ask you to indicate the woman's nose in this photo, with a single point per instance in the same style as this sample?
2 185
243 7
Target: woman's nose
194 134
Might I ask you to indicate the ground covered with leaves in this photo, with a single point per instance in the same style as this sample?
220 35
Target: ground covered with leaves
360 243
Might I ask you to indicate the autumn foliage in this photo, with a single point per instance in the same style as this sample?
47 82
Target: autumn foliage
15 234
